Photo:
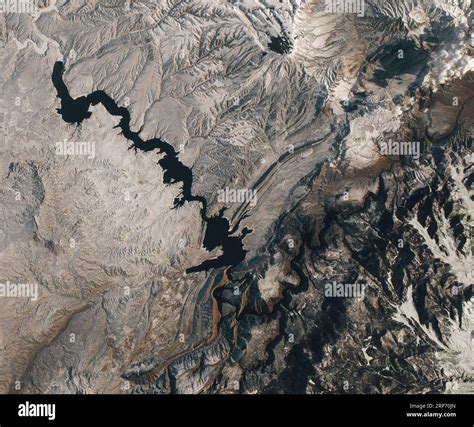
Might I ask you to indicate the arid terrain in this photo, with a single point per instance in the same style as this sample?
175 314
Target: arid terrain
254 196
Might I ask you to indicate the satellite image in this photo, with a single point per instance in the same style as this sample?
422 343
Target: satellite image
236 197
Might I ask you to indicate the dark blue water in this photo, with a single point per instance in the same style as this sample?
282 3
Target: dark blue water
280 44
218 232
